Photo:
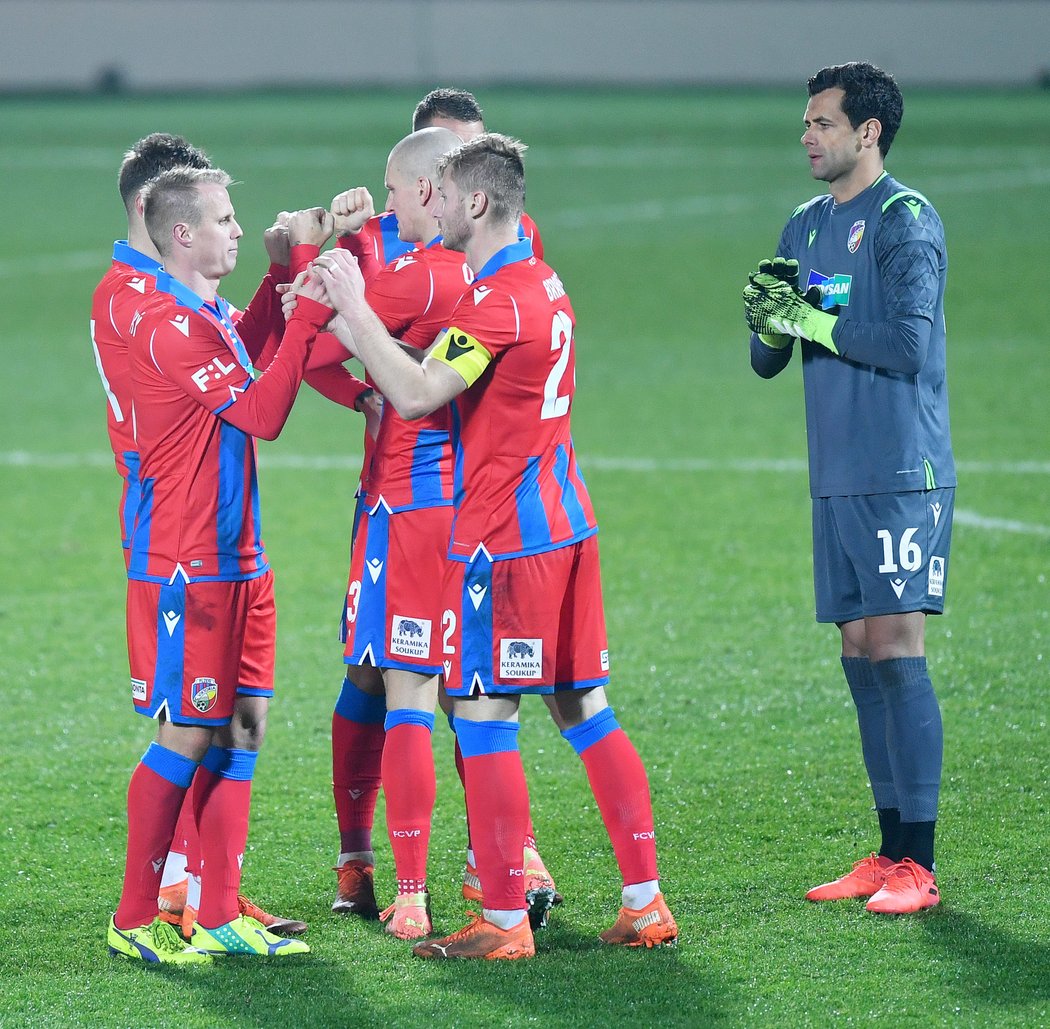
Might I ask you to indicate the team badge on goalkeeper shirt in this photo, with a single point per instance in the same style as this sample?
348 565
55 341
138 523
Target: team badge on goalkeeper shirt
205 693
856 234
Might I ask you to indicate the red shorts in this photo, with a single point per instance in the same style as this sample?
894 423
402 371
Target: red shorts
193 646
525 625
394 599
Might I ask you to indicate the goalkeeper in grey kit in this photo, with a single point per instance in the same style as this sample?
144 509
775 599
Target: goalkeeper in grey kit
857 284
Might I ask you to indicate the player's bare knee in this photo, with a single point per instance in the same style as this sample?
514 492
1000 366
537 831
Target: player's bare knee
573 707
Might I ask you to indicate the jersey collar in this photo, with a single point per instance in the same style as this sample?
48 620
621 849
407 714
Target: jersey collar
126 254
218 312
510 254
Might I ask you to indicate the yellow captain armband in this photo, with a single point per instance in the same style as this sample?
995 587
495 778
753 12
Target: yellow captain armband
461 352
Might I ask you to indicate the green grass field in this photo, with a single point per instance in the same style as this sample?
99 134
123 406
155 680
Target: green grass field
653 208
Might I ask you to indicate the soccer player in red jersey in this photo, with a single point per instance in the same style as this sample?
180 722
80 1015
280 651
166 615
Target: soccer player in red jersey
374 238
393 609
201 616
522 591
130 279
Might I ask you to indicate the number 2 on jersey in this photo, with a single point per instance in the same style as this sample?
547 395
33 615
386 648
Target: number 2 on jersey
554 406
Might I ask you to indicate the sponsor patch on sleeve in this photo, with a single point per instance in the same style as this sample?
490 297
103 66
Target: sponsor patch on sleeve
462 352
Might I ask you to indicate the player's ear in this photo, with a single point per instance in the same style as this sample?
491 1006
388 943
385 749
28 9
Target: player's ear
182 234
426 190
479 203
871 132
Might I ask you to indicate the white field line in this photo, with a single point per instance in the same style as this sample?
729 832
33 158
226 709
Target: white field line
638 465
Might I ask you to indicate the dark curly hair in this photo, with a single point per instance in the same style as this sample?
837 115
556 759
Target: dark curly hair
869 92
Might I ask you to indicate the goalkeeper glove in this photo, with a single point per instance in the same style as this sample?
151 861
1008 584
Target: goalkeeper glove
780 268
769 272
772 307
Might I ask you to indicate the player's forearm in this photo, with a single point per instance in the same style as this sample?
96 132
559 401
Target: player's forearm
362 246
400 378
337 383
264 406
897 345
261 323
301 255
769 361
327 350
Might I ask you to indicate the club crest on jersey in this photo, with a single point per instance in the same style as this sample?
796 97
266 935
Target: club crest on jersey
205 694
856 234
409 636
935 583
834 289
521 659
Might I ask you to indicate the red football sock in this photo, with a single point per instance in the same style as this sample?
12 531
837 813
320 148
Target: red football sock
222 819
357 755
153 809
410 787
498 808
621 788
530 832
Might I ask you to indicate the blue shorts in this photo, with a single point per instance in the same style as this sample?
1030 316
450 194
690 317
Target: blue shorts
882 554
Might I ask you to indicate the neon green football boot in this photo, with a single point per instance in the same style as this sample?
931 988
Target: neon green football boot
156 943
244 935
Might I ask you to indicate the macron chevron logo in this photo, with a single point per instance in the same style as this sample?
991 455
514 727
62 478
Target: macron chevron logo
138 285
936 509
448 667
158 864
171 620
375 569
480 292
403 262
182 323
898 586
477 594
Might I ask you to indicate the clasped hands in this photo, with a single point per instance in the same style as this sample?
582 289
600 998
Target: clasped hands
779 312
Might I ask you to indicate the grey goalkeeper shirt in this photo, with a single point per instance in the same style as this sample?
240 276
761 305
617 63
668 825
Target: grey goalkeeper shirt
876 414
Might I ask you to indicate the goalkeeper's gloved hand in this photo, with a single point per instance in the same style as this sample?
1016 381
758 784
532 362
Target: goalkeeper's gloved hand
774 308
769 272
780 268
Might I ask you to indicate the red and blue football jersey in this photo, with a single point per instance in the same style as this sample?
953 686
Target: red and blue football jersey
377 244
123 290
197 413
517 488
117 297
411 463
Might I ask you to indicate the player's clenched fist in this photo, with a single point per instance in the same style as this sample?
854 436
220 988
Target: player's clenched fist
351 209
275 239
314 226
